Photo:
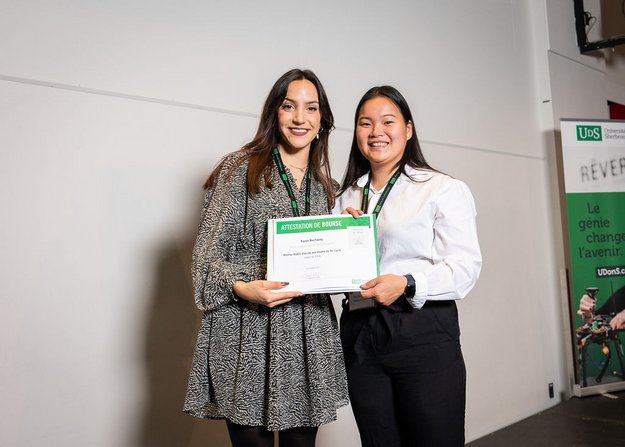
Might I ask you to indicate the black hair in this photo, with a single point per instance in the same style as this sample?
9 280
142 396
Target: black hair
357 164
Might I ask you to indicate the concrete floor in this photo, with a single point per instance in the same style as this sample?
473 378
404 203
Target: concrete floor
578 422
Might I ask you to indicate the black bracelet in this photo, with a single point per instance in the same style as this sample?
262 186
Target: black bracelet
411 288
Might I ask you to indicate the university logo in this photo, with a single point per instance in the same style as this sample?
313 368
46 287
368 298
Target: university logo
589 133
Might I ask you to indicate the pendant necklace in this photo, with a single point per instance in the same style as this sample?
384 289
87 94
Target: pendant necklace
289 189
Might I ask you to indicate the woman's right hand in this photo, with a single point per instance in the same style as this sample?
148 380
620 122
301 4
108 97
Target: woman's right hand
353 211
262 292
586 307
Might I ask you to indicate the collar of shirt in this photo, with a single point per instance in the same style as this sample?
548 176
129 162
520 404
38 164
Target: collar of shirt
418 175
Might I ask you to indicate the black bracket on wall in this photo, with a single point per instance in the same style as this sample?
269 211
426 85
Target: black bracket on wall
582 38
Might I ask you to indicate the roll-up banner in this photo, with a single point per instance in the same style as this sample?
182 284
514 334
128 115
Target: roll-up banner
592 169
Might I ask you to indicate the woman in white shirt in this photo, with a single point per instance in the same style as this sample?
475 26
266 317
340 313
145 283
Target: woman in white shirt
401 336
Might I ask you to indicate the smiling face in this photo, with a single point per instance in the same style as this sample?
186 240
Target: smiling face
299 118
381 133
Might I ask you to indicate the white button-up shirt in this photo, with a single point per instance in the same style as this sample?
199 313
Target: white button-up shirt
426 228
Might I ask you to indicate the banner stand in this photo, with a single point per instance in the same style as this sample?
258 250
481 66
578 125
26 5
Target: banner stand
592 390
591 170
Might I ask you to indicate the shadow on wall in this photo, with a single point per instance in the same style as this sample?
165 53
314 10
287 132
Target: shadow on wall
170 335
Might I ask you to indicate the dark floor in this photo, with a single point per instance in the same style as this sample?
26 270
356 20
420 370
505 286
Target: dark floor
578 422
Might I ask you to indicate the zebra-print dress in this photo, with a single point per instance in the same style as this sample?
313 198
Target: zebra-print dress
280 367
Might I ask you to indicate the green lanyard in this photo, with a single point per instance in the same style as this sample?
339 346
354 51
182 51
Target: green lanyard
365 193
287 184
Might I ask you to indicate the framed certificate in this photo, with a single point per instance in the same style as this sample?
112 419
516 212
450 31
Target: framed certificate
322 254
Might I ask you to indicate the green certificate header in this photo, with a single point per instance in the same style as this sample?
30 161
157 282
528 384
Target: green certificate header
324 224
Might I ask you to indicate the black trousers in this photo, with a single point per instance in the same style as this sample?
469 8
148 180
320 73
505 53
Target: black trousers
406 375
252 436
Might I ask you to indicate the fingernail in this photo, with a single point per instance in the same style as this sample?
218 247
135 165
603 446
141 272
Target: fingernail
284 283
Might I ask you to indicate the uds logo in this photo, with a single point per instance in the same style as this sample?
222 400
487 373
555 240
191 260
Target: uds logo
588 133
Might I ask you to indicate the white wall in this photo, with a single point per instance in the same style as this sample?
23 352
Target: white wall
113 112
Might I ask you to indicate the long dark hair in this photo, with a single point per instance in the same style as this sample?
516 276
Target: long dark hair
258 151
358 165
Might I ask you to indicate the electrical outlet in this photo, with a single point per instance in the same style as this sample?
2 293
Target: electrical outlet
551 390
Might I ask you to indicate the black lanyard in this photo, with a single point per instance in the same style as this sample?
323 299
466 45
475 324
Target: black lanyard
287 184
365 193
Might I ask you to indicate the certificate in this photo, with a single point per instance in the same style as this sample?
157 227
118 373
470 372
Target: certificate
322 254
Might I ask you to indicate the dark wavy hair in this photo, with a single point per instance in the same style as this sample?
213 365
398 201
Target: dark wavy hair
258 151
358 165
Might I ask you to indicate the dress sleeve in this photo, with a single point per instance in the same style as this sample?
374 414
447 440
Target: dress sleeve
456 256
215 265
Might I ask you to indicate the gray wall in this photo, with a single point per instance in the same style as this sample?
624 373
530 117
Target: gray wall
113 112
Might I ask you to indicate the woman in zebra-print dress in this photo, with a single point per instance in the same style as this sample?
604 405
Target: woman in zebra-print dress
266 360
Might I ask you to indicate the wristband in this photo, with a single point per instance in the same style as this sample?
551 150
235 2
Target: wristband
411 289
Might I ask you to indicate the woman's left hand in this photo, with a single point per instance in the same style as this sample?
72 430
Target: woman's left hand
353 211
384 289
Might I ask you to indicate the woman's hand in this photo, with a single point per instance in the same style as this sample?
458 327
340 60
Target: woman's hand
353 211
262 292
384 289
586 307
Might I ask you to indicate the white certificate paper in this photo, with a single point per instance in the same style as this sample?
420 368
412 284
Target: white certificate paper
322 254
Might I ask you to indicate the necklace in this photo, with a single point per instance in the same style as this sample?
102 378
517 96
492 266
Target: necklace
289 189
302 170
